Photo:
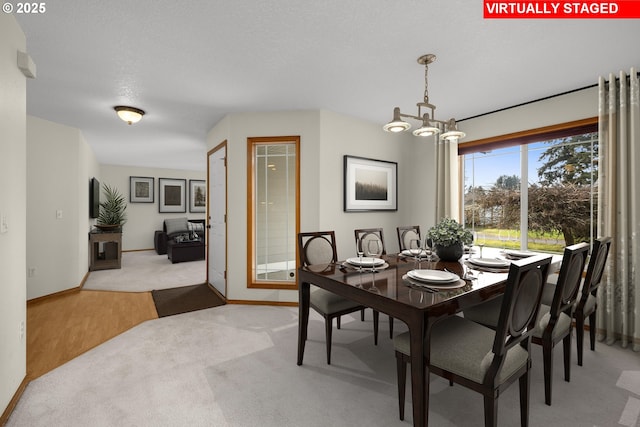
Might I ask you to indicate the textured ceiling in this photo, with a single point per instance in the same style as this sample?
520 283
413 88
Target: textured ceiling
189 63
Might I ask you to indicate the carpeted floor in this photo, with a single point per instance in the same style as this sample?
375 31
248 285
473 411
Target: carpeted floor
144 271
235 366
185 299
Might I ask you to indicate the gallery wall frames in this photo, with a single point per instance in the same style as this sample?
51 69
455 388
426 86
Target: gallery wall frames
172 195
141 189
197 195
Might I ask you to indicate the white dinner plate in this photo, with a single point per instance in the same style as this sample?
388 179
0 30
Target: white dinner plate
518 254
434 285
489 262
407 252
433 276
367 268
366 261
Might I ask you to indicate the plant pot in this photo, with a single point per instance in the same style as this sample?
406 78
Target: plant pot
109 227
450 253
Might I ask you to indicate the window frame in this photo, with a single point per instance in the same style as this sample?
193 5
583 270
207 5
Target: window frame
546 133
252 144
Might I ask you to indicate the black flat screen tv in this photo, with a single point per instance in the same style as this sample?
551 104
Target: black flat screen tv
94 198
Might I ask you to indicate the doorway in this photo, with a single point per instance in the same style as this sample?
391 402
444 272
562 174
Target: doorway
217 218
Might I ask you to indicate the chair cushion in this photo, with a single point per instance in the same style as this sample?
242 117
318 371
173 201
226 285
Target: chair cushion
486 314
590 305
562 325
464 348
328 302
176 226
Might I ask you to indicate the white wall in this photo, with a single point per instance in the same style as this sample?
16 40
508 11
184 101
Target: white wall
144 218
561 109
59 166
325 137
13 205
343 135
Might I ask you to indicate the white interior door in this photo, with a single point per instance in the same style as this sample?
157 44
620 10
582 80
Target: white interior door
217 231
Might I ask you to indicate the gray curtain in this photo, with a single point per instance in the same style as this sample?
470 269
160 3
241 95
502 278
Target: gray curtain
619 208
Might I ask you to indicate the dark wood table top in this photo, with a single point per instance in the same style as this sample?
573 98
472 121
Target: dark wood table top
388 288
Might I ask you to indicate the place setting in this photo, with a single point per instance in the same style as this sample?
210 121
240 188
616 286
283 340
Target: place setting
517 254
368 264
491 265
434 280
371 263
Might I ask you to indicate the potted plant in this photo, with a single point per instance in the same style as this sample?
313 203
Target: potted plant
448 237
112 214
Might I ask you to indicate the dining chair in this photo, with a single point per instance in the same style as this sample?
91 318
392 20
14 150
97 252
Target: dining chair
320 248
587 304
363 236
480 358
554 318
406 234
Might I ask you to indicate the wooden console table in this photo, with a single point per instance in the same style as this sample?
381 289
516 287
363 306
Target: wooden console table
105 250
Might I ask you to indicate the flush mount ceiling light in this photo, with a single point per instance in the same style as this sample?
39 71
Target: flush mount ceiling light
129 114
430 126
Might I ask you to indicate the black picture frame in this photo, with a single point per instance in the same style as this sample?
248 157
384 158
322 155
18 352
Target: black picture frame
370 185
197 195
172 195
141 189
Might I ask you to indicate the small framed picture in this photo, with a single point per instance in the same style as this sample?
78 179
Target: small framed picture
141 189
197 195
370 185
172 195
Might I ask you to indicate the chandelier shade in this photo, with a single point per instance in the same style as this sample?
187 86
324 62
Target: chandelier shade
397 124
430 126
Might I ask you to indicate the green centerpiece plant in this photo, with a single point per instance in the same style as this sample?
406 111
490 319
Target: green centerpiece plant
112 214
448 237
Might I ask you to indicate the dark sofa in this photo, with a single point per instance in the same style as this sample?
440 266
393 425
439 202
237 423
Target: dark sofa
181 239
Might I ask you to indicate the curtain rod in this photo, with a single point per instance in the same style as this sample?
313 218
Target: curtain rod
535 100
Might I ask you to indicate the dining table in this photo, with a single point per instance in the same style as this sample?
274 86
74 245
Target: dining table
390 291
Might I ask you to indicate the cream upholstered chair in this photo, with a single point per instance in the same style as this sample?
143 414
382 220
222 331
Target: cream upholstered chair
363 236
480 358
586 305
554 318
320 248
406 234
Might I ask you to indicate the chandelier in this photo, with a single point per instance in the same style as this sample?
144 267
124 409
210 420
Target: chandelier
430 126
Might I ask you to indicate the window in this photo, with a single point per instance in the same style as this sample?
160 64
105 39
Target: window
273 199
533 190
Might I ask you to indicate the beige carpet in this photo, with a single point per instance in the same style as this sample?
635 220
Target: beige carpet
144 271
235 366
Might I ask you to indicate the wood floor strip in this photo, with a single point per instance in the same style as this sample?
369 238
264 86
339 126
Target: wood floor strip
66 325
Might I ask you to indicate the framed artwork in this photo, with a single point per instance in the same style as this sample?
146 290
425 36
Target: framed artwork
370 185
141 189
172 195
197 195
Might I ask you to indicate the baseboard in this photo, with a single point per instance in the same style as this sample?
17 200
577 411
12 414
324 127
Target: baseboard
274 303
13 402
56 294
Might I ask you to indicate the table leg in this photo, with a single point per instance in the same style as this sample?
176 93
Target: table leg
419 374
303 318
